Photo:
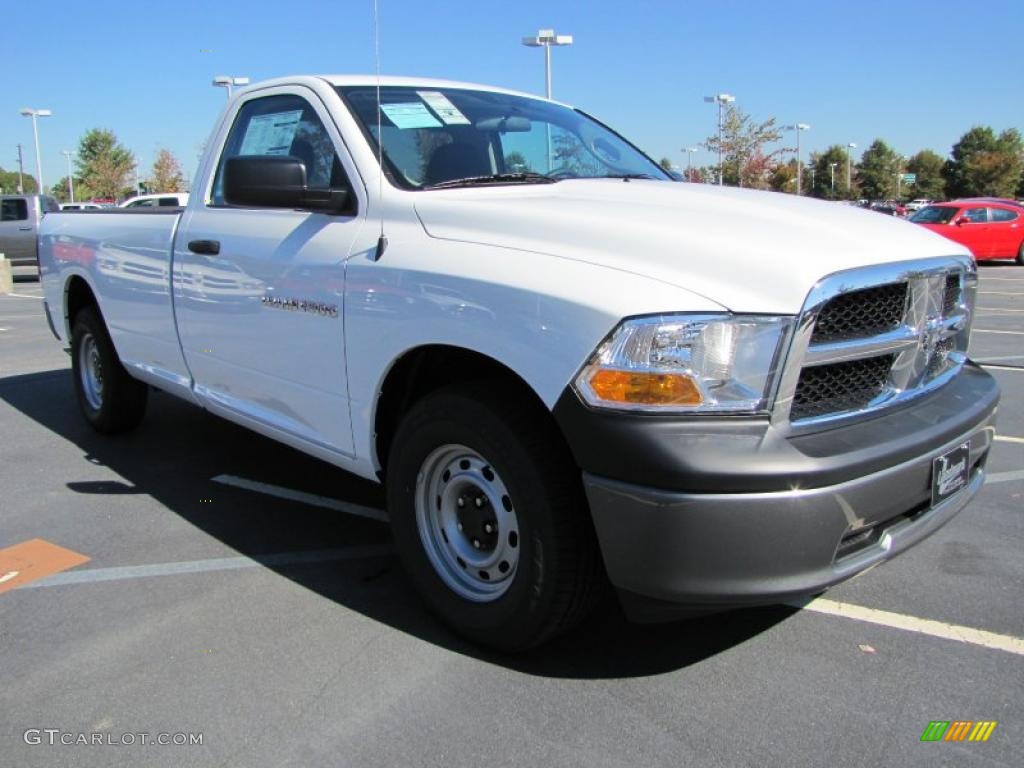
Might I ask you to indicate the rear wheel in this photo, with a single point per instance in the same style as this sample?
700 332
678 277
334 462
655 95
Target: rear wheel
110 399
1020 254
490 519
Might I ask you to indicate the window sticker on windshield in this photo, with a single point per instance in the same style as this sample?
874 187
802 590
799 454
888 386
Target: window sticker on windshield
447 111
412 114
271 134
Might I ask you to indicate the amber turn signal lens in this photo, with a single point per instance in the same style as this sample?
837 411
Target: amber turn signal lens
637 388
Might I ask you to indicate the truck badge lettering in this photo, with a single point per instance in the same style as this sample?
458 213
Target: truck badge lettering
301 305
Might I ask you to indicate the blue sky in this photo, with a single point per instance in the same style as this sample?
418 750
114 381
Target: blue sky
913 72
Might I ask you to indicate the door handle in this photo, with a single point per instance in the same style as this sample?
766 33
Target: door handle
205 247
24 229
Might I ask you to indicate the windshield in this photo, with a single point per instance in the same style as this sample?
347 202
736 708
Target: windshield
934 214
452 136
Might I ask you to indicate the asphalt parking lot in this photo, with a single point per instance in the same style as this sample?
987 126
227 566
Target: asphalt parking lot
241 591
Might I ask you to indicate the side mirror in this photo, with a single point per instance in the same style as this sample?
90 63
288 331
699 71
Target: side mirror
961 220
277 181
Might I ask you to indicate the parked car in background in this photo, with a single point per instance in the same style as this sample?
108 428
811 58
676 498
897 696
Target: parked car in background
19 222
989 227
889 208
86 206
163 200
918 204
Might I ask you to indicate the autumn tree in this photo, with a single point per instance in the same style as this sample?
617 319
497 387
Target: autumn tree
930 184
877 171
984 164
103 163
166 173
745 161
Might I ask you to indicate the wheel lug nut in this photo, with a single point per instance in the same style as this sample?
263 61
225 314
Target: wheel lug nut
476 544
479 501
489 528
461 502
460 526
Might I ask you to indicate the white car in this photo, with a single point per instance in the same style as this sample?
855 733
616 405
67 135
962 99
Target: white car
918 204
162 200
564 367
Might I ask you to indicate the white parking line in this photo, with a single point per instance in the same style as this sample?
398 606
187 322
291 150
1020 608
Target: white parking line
985 330
92 575
929 627
1007 439
999 293
22 295
302 496
1017 368
1004 477
997 310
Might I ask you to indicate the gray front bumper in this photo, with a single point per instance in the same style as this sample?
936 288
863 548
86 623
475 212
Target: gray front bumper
729 549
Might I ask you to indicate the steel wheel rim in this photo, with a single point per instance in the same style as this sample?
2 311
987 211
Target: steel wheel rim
474 562
91 371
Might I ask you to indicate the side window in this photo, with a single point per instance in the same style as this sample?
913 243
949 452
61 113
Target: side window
282 125
168 202
1001 214
147 203
13 209
49 205
976 215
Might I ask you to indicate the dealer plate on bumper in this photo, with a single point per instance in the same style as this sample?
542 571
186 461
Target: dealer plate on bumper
950 472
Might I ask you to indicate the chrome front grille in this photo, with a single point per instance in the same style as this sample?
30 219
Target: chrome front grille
867 339
867 312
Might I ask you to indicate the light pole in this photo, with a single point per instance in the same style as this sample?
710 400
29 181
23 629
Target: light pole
721 99
71 184
849 183
689 161
799 168
21 173
832 175
546 38
812 169
35 114
226 81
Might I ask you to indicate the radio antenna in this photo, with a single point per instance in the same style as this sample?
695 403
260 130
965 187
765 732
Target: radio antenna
382 241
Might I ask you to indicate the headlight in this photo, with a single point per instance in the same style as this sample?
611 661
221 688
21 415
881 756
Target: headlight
694 363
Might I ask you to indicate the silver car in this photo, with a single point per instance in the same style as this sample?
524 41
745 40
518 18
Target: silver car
19 222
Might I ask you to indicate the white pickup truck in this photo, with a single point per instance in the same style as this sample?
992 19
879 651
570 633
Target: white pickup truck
567 369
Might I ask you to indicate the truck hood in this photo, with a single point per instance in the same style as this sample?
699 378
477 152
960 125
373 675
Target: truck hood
746 250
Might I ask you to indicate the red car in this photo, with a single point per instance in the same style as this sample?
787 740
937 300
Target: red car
991 228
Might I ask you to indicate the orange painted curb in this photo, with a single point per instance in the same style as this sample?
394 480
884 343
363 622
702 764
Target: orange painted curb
33 560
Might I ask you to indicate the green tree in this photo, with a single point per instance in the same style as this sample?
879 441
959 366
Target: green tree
877 171
9 182
744 159
665 164
830 174
930 183
103 163
783 178
984 164
166 173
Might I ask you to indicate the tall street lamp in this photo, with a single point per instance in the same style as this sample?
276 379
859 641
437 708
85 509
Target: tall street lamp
798 127
35 114
849 183
226 81
71 184
689 161
721 99
832 176
546 38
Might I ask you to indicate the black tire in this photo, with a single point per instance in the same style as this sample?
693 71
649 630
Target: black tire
1020 254
557 577
119 403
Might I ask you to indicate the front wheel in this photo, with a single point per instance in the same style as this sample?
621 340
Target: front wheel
110 399
1020 254
490 519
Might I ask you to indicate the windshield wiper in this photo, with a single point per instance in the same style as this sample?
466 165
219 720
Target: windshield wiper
526 177
627 176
